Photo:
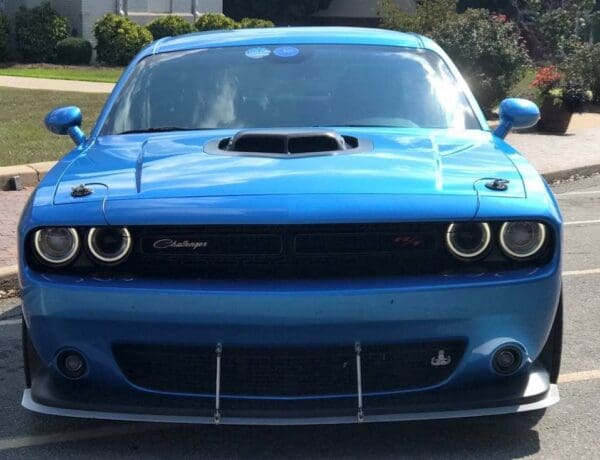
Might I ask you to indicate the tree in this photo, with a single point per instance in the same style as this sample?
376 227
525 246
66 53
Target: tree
279 11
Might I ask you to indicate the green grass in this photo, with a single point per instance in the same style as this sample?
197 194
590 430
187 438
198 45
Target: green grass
23 137
98 74
523 87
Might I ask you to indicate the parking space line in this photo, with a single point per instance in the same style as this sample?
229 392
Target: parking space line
80 435
579 376
591 271
582 222
10 322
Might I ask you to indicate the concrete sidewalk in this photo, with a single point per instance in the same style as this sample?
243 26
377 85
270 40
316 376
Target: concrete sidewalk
56 85
557 156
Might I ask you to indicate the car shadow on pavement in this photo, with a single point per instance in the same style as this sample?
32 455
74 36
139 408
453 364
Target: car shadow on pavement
500 437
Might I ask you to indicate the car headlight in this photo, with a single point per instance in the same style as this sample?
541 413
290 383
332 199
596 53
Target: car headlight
56 245
469 240
109 245
522 240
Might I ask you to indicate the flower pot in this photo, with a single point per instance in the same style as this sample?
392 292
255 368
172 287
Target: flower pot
554 118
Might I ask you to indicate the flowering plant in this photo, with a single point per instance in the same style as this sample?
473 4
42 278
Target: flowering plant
568 94
547 79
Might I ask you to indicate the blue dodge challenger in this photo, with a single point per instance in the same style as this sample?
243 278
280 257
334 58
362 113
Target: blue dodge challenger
291 226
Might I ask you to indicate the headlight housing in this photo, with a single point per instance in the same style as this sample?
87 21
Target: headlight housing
468 240
522 240
109 245
56 246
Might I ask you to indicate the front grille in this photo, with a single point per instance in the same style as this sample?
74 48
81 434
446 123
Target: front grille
287 372
297 251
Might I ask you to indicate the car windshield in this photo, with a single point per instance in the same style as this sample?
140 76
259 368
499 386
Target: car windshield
290 86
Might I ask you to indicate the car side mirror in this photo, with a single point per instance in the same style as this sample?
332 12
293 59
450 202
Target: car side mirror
516 113
66 120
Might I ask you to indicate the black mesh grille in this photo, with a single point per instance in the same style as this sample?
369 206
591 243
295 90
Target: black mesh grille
301 251
287 371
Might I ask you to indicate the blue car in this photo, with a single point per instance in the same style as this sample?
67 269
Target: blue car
291 226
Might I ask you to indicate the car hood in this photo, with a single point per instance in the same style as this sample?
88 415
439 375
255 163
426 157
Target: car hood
442 165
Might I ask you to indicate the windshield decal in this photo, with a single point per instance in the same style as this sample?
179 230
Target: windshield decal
258 53
286 51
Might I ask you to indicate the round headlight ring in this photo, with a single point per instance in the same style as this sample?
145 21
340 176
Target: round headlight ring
531 252
104 257
49 259
461 253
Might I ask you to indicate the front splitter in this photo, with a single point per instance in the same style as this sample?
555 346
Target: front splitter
551 398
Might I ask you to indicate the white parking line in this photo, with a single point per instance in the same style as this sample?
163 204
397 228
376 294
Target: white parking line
582 222
10 322
591 271
80 435
580 376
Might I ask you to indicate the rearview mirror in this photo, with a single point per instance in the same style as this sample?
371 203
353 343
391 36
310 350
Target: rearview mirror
66 120
516 113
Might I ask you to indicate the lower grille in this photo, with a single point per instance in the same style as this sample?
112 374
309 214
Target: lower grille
288 372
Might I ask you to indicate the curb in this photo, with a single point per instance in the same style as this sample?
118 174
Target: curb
568 173
29 174
9 277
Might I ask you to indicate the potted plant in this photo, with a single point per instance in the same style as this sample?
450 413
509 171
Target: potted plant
559 99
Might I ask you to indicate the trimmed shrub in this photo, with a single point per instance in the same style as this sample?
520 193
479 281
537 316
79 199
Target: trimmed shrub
214 21
73 51
255 23
3 37
169 26
487 48
119 39
37 31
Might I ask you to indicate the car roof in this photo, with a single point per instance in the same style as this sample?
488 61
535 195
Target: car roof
288 36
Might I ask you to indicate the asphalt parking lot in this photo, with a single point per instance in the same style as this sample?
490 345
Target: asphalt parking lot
570 429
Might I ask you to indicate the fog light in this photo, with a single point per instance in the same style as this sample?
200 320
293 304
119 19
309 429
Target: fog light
507 360
71 364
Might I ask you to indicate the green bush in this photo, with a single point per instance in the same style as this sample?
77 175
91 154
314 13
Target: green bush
556 35
488 51
119 39
73 51
583 67
169 26
486 48
3 37
254 23
214 21
37 31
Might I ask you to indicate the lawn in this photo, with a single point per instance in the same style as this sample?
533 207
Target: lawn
91 73
23 137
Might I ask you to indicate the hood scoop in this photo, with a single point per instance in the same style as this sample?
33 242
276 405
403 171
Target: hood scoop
287 144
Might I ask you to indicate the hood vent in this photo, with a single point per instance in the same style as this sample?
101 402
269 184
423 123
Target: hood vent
287 144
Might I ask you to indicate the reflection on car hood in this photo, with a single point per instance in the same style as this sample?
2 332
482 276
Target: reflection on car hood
434 163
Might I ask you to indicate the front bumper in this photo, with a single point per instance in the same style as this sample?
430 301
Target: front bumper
484 312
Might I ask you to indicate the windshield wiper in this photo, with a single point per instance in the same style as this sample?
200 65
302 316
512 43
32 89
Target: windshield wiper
160 129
